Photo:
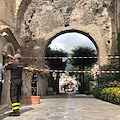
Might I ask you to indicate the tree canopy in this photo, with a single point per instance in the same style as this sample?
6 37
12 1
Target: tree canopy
55 64
83 52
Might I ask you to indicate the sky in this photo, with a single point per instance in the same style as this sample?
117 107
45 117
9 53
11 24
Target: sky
69 41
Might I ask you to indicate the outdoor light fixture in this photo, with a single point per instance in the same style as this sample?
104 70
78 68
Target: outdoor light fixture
3 34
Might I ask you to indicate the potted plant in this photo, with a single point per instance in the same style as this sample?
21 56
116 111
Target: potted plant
33 98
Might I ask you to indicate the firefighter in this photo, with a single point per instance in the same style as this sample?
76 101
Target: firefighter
16 68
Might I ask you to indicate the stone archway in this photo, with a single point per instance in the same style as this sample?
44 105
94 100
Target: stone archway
70 13
6 85
9 45
94 39
40 21
47 18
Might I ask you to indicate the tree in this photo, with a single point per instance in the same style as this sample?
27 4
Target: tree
83 63
73 68
83 52
56 64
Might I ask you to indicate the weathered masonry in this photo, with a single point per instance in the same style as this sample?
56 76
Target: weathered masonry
33 24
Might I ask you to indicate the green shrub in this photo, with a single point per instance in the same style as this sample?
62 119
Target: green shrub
97 90
88 92
111 94
108 94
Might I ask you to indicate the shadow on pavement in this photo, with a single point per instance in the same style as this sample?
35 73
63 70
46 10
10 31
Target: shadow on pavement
6 113
29 109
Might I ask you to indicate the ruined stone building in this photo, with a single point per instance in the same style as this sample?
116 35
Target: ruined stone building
31 25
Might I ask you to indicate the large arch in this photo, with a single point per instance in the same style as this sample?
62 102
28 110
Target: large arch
111 10
76 31
56 34
94 38
41 21
40 28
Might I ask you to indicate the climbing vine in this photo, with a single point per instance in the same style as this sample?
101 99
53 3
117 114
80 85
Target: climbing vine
34 83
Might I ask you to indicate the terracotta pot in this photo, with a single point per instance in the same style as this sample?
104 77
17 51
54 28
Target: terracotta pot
31 99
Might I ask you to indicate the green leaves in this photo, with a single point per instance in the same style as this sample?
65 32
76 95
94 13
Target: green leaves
83 52
56 64
97 10
111 94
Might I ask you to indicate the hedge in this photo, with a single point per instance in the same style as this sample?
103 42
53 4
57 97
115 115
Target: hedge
111 94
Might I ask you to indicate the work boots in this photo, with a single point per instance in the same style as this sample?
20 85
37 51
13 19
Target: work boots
15 113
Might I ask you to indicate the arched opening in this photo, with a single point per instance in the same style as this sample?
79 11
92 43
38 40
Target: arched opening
68 41
75 31
9 45
70 34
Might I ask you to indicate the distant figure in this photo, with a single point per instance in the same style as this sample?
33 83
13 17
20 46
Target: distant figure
65 88
1 72
76 87
62 88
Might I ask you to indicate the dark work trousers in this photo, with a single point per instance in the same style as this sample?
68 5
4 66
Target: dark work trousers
15 93
0 91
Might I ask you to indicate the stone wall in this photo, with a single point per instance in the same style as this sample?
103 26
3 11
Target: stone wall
44 19
7 14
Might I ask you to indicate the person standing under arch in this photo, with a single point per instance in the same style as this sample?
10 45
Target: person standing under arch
16 68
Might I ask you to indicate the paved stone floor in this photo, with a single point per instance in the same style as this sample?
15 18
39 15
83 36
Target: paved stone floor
69 106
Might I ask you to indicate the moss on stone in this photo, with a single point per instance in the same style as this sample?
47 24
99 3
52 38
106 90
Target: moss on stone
97 10
69 9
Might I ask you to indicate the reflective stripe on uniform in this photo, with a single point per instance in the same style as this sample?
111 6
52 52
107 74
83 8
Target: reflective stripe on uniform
15 108
15 104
